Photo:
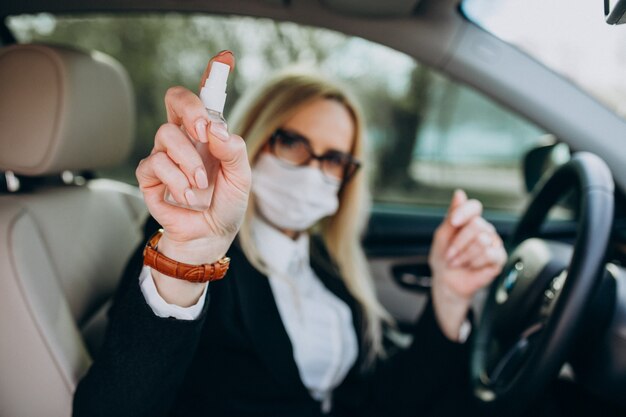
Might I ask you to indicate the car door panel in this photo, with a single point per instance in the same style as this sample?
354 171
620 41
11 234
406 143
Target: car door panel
397 244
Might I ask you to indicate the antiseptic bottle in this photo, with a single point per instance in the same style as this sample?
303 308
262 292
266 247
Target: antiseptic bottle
213 96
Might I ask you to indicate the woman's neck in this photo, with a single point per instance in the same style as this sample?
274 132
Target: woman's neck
291 234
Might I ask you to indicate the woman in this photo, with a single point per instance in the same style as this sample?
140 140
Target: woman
295 328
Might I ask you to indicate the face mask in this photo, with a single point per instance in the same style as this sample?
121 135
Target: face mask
293 198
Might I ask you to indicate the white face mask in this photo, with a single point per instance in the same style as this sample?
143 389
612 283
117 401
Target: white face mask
293 198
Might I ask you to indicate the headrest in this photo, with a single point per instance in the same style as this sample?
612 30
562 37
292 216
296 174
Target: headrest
63 109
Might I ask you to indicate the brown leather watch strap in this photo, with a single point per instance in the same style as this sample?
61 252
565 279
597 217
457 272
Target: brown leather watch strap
193 273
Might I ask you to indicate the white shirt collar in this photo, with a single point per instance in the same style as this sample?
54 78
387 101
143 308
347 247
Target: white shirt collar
279 251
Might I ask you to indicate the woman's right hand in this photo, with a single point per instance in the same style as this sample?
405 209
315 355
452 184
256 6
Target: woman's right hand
191 236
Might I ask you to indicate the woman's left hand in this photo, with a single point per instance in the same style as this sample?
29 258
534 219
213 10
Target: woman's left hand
466 255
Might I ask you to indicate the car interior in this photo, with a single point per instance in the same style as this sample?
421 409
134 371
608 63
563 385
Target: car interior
62 244
550 333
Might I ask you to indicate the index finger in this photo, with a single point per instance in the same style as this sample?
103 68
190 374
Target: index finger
184 108
225 57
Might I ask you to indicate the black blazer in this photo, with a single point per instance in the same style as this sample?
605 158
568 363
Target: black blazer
236 359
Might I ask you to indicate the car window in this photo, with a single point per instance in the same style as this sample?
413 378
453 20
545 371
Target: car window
428 134
571 38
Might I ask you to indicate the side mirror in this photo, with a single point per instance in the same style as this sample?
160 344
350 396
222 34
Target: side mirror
615 11
541 160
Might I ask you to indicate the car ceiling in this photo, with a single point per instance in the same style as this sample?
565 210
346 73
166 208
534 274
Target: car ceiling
363 8
371 19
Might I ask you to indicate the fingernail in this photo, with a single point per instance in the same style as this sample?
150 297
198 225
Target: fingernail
450 254
201 130
224 52
455 263
219 131
456 219
190 196
201 179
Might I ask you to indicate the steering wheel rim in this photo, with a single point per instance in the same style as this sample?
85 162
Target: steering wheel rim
509 370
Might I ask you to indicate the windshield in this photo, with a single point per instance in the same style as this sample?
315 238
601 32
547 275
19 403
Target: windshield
570 37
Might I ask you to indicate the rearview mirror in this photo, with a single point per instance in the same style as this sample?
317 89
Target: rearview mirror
615 11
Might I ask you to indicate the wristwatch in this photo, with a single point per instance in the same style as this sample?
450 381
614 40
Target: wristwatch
192 273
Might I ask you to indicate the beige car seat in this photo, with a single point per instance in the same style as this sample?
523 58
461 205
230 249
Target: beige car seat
63 247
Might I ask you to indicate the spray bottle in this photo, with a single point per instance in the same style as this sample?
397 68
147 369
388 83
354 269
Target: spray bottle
213 96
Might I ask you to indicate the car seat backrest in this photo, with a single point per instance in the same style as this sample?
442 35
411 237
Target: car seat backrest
63 247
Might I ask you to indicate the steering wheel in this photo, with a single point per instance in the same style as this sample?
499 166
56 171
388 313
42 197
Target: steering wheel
534 307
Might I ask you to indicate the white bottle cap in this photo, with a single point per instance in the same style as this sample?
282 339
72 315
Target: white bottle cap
213 94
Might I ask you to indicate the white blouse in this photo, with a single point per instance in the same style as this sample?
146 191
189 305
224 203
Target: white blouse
318 323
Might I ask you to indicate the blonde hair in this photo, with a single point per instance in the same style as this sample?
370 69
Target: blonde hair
255 118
